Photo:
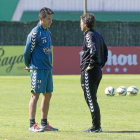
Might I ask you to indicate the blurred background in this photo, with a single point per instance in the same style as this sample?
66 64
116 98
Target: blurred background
118 21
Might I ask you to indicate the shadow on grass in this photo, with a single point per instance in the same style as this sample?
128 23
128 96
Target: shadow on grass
121 132
102 132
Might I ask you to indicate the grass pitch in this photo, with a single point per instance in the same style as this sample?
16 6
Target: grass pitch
68 110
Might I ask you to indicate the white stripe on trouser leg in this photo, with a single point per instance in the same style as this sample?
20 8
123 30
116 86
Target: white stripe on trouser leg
88 93
33 80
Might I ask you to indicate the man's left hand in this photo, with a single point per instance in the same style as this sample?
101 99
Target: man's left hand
88 68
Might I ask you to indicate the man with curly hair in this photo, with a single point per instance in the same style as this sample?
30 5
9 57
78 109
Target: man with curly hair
94 57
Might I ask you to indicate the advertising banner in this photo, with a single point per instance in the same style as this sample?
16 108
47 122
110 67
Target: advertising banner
123 60
11 61
66 60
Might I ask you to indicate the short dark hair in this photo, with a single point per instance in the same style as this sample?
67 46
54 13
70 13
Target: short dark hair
89 20
44 11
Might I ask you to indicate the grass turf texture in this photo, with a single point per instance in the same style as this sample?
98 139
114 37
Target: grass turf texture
69 111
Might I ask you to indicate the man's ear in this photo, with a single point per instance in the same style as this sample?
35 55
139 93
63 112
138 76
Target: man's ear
40 18
85 25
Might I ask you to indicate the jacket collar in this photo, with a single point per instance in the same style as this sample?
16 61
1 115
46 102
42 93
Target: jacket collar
41 27
87 31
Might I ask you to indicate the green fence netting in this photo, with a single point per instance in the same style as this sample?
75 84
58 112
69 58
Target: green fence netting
68 33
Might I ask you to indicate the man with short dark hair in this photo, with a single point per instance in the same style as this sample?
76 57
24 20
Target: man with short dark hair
94 57
38 61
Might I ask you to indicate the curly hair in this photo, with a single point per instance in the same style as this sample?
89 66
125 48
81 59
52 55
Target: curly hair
44 11
89 20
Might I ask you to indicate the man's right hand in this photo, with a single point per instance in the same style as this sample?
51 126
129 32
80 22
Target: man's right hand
27 69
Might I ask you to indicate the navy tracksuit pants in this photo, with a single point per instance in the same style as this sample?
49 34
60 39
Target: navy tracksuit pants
90 81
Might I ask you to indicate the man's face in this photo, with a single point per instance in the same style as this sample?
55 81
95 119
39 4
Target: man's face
83 26
47 21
